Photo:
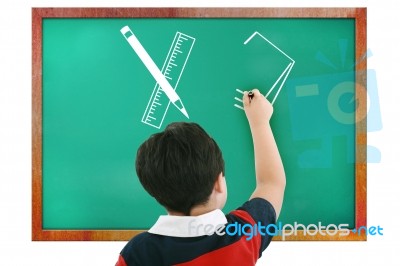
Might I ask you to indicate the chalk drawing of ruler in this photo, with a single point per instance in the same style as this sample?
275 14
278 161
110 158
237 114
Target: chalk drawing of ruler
172 70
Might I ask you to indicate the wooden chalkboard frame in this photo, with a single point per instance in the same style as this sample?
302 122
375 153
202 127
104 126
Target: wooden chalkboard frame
38 14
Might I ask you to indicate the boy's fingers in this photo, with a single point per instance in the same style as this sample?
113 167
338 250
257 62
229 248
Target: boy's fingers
256 92
246 98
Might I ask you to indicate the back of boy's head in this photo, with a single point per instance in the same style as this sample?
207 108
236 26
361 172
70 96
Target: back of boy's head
179 166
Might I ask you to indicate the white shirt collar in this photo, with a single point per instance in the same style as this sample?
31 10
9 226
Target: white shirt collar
189 226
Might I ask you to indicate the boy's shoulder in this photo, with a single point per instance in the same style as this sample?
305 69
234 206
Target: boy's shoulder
138 248
155 249
139 240
255 210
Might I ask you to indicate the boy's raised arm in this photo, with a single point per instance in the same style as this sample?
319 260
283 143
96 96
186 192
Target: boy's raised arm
270 174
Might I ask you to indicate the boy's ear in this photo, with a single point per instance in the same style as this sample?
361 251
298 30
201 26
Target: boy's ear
219 185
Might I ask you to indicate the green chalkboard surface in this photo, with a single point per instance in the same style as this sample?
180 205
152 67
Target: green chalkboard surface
96 92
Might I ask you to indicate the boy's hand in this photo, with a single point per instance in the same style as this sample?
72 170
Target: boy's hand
270 174
258 109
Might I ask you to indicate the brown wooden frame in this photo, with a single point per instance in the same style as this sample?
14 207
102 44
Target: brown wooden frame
38 14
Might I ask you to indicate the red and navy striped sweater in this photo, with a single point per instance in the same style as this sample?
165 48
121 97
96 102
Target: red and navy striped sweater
187 240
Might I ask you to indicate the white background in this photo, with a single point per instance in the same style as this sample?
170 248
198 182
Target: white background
16 247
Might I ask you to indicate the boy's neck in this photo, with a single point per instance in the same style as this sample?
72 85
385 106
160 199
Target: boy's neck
202 209
196 211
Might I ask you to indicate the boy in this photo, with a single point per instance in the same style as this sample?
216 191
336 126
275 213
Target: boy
183 169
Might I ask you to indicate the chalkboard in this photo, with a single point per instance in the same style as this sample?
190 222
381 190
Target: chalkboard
97 102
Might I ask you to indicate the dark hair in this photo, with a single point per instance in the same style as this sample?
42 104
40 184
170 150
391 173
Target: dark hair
179 166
